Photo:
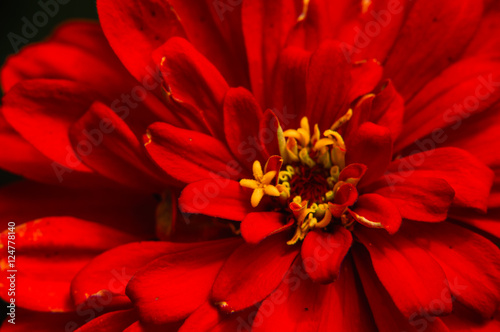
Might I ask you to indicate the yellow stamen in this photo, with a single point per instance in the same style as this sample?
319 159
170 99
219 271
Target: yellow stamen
303 134
323 143
324 158
338 148
316 135
268 177
335 137
307 218
148 135
305 158
327 217
305 8
334 173
365 5
261 185
329 196
305 130
346 117
257 195
284 190
282 144
257 170
292 150
248 183
298 148
271 191
362 220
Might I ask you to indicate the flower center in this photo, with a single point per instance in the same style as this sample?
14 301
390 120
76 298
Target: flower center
310 179
308 183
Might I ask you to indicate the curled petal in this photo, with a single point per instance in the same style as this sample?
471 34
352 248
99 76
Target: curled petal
375 211
323 253
344 197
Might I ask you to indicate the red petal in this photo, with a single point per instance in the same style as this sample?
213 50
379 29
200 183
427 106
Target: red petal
477 135
464 322
380 210
387 315
216 33
274 163
344 300
471 263
79 33
323 21
259 225
299 304
193 82
420 52
288 97
190 156
296 305
328 85
107 275
323 253
345 196
494 198
470 178
106 144
352 173
418 198
410 274
365 77
374 35
466 88
160 290
361 112
144 327
265 26
209 318
242 116
116 321
388 109
372 146
57 246
252 272
487 223
42 112
21 158
135 29
268 133
61 58
486 40
77 43
204 318
223 199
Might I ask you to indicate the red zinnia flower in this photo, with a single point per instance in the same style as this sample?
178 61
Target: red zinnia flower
332 135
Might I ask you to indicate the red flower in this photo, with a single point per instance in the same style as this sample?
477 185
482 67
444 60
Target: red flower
351 142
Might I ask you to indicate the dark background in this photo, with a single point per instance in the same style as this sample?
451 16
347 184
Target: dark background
11 21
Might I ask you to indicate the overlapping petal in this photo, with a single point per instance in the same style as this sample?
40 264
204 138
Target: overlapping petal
190 156
49 247
252 272
159 290
410 274
470 178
